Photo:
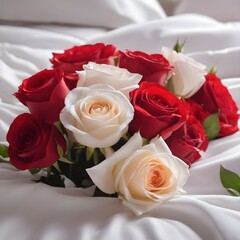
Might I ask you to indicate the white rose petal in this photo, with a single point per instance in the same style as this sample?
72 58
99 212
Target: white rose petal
143 177
102 174
119 78
97 116
189 75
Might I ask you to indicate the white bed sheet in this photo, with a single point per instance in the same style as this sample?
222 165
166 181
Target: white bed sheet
31 210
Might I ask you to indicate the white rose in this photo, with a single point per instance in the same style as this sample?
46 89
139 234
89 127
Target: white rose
119 78
189 75
97 116
143 177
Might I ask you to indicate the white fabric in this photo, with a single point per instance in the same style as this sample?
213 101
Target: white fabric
222 10
200 33
30 210
105 13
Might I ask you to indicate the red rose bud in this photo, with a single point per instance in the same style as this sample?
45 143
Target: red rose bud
33 143
156 111
73 59
153 68
44 94
188 141
215 98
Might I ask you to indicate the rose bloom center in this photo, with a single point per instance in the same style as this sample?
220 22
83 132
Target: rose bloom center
158 176
100 109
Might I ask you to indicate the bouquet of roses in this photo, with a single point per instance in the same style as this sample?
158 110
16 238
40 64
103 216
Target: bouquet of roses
128 122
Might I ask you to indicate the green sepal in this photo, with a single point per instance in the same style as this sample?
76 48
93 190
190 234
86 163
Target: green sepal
213 70
230 180
145 141
169 86
122 141
178 47
65 160
56 166
34 171
60 151
126 136
89 153
116 61
103 151
95 156
79 148
3 151
60 127
49 170
211 126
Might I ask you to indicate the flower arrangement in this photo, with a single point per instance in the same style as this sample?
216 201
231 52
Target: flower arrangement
128 122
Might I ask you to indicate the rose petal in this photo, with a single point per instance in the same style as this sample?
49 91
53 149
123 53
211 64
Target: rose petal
119 78
187 79
102 174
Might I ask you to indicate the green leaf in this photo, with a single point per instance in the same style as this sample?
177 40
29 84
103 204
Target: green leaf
86 183
230 180
77 152
233 192
3 151
53 180
211 126
99 193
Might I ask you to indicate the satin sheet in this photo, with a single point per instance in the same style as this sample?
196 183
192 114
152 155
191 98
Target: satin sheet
31 210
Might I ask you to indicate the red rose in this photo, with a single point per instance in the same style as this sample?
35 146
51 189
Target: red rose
156 111
215 97
73 59
33 143
153 68
44 94
188 140
196 110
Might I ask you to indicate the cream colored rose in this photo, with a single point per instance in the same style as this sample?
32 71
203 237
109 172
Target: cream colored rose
143 177
119 78
188 74
97 116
